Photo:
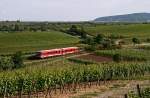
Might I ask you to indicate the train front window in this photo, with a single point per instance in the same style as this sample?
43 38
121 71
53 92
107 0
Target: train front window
37 54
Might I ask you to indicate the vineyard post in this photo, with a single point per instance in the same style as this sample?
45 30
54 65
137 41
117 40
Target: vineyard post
139 91
5 91
125 96
29 92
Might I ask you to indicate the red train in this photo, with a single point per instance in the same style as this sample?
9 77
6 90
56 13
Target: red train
56 52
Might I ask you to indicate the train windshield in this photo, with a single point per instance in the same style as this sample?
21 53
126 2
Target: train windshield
37 54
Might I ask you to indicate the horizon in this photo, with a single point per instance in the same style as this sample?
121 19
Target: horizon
68 11
71 21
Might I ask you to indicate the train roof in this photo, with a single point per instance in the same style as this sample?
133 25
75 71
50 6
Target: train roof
56 49
69 47
48 50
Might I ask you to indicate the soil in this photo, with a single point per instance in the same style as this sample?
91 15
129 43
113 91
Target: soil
95 58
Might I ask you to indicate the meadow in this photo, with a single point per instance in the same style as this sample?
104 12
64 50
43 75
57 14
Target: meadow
34 41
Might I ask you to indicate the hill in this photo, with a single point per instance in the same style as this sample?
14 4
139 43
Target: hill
34 41
135 17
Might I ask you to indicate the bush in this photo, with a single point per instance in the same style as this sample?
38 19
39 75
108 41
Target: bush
6 63
107 45
17 60
99 38
136 41
90 48
148 40
88 41
117 58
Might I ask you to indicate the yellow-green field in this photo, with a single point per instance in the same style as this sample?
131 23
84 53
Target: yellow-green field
141 31
34 41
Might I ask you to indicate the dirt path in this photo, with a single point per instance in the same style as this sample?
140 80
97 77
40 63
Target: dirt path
121 91
112 89
133 45
109 89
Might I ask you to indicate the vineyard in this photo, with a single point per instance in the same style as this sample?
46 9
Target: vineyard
127 54
34 80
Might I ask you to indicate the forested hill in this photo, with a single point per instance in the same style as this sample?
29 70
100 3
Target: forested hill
136 17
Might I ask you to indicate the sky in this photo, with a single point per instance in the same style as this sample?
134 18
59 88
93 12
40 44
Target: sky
68 10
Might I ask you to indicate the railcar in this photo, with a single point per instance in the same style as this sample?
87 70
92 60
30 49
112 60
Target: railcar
56 52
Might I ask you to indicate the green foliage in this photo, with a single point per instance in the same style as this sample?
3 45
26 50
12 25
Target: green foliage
135 41
83 33
117 57
46 78
90 48
89 41
99 38
148 40
17 59
74 30
6 63
120 30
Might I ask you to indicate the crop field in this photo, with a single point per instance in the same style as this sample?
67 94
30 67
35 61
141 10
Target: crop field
34 41
36 79
127 54
140 31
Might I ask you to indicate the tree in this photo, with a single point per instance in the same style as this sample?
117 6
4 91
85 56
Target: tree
99 38
43 27
73 29
16 27
135 41
89 41
17 59
83 33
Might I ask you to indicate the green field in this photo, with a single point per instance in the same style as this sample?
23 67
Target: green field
127 54
141 31
34 41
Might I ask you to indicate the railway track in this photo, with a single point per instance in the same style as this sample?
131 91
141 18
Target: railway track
54 59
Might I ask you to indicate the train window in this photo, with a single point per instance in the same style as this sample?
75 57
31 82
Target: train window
37 54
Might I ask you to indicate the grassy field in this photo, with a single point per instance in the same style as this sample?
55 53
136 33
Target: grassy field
141 31
34 41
